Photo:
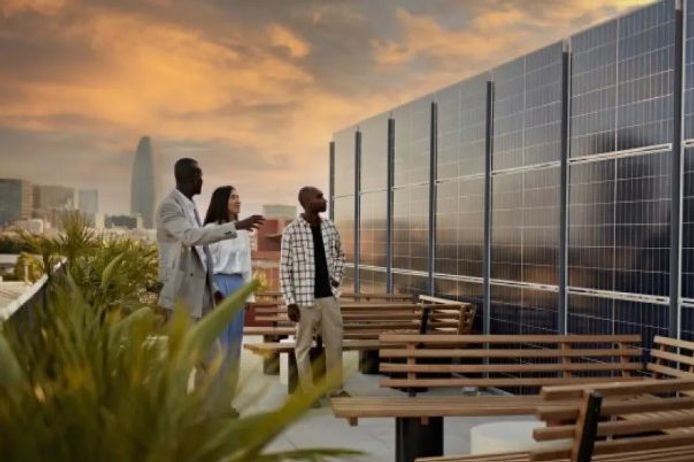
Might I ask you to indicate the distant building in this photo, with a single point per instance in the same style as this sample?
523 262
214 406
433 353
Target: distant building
123 221
31 225
266 250
269 235
143 185
17 200
53 197
99 221
89 201
287 212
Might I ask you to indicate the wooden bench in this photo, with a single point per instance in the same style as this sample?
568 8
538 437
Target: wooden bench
493 361
363 323
671 358
275 324
610 423
363 297
500 361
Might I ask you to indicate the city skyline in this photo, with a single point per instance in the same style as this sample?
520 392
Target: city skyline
252 90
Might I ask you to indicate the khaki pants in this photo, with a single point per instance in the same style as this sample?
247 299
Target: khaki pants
325 319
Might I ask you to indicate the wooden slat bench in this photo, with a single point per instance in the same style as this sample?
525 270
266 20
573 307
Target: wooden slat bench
594 422
493 361
364 297
510 360
671 358
365 322
358 330
274 324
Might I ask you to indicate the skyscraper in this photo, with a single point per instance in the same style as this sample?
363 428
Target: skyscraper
89 201
143 187
48 197
16 200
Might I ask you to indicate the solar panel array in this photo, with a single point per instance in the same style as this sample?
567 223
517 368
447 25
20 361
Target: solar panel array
619 78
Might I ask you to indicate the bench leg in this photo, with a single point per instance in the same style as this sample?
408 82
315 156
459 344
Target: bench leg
413 439
369 362
317 356
271 364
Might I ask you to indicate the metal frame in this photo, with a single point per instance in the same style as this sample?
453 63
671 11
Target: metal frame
332 181
564 193
357 207
487 266
433 175
677 174
389 204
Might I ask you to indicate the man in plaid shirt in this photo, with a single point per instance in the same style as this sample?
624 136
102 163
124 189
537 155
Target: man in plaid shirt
311 268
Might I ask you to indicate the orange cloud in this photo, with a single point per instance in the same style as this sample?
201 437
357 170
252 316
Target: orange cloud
496 32
48 7
282 37
258 86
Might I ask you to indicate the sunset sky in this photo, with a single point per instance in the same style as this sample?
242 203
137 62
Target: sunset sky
253 89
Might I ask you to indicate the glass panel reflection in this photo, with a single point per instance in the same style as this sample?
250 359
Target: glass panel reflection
372 235
411 228
344 162
374 153
371 281
619 224
344 221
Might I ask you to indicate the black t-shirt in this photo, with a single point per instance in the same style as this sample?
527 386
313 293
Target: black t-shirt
322 280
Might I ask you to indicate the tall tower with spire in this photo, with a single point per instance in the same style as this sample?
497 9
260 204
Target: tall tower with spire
143 186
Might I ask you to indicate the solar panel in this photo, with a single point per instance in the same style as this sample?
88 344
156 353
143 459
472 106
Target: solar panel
522 311
460 227
621 88
371 281
374 153
619 228
348 280
412 142
410 284
597 315
344 162
689 73
461 162
344 221
688 227
411 198
411 228
372 234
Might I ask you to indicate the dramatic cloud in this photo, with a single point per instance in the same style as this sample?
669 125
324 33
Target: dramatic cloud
254 89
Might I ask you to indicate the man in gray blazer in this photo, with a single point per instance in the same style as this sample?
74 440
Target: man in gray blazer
185 262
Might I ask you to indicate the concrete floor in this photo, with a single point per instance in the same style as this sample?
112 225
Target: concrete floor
319 428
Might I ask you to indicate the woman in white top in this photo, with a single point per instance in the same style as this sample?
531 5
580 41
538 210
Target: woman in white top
232 269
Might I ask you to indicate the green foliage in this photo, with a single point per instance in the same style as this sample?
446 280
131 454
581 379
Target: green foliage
28 267
118 272
10 244
85 383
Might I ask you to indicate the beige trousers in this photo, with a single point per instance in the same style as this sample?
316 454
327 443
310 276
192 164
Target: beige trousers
325 319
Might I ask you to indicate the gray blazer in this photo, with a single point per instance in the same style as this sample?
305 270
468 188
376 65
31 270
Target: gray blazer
185 263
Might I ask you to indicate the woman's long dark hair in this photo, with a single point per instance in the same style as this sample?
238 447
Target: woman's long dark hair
218 211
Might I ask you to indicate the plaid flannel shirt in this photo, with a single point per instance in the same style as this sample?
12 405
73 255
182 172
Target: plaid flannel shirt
297 265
